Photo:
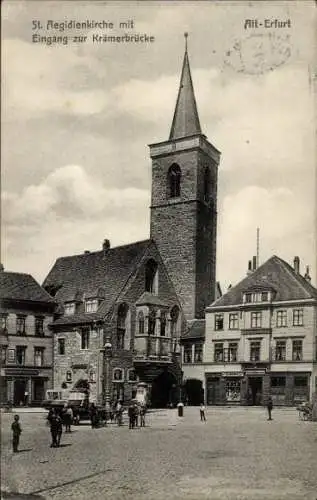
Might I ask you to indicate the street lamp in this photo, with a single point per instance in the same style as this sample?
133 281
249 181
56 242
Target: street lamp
107 351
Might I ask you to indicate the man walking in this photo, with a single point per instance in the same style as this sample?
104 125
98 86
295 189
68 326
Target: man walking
269 407
16 431
202 412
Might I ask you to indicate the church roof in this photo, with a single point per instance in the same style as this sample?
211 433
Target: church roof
275 274
22 287
88 273
186 120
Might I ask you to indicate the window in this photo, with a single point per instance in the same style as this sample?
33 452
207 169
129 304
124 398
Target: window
3 354
69 376
187 353
3 322
218 356
20 355
218 321
151 277
248 297
20 325
232 352
85 337
264 296
141 322
91 305
39 326
121 325
281 318
174 181
297 350
298 317
152 322
117 375
163 324
233 321
206 184
300 381
280 353
174 320
198 353
256 319
132 376
61 346
38 356
278 382
69 308
255 351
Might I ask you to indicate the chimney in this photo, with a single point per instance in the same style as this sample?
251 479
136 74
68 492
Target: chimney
106 245
1 267
86 252
296 264
249 268
254 266
307 275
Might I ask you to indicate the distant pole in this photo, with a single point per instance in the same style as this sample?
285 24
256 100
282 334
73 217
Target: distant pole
257 246
186 36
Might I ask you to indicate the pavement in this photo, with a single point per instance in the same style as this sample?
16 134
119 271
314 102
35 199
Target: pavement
235 455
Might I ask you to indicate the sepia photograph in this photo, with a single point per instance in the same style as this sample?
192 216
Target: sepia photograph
158 276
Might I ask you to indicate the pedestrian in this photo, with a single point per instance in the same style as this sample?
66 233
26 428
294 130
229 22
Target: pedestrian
202 410
136 415
131 416
59 430
16 431
54 424
119 411
269 406
68 418
142 415
93 416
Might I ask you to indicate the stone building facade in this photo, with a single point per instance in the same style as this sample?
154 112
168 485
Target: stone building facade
26 311
138 298
260 340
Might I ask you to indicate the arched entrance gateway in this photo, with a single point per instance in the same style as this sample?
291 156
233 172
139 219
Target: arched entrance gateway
164 390
193 392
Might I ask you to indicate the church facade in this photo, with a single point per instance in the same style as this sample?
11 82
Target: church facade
138 299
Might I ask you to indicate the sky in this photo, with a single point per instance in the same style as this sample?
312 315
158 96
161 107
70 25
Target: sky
77 120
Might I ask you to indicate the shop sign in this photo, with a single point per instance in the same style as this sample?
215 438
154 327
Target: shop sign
232 374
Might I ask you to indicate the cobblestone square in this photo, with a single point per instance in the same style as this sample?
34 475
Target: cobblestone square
237 454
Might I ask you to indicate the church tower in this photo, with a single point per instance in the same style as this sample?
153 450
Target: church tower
184 202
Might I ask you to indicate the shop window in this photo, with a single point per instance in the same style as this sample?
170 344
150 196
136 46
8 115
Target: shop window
278 382
233 390
38 356
20 355
141 323
174 181
233 352
39 326
69 308
219 352
280 353
300 381
255 351
297 352
198 352
84 338
188 353
281 318
20 325
298 317
91 305
233 321
61 346
218 321
256 319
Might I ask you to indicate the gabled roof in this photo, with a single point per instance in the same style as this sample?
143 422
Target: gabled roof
108 270
22 287
195 330
148 298
274 274
186 120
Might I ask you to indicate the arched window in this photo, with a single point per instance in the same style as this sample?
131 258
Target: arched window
206 184
152 321
174 319
151 277
174 181
163 324
117 375
121 325
140 323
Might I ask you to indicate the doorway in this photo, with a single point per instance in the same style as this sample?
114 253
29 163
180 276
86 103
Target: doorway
20 388
193 392
164 390
255 391
38 390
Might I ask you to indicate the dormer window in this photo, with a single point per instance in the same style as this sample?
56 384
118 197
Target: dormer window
256 297
69 308
91 305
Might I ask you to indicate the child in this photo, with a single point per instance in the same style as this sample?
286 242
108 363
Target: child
16 430
202 413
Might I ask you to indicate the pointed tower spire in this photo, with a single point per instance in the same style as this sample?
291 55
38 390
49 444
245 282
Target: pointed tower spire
185 121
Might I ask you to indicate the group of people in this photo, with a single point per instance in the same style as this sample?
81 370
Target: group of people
56 420
136 414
